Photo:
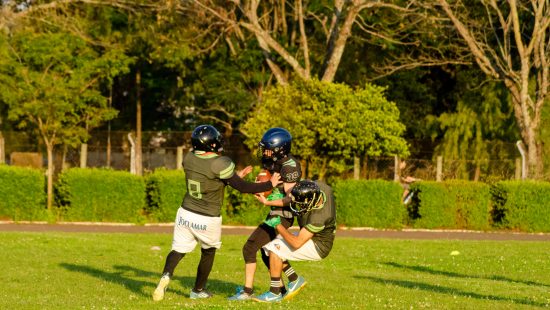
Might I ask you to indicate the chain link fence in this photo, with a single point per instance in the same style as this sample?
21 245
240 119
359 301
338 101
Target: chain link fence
160 150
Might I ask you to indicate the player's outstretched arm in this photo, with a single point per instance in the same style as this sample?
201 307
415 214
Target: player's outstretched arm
247 187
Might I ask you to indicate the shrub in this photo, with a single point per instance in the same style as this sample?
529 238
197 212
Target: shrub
452 204
22 194
373 203
165 192
521 205
100 195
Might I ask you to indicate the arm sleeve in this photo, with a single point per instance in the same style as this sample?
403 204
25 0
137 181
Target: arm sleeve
247 187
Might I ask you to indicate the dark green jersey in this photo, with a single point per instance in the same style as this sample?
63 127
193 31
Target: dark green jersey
204 174
321 222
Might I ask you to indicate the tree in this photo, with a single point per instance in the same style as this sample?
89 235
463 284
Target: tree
50 82
479 128
306 38
331 123
510 42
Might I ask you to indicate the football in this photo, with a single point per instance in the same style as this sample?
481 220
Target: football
264 176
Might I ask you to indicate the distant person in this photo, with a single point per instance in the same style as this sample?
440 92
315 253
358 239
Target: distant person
198 220
406 180
313 204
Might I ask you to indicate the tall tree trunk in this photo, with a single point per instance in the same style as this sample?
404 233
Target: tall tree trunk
110 101
139 162
2 151
49 173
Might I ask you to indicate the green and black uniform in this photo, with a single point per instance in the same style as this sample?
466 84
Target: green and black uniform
321 222
206 176
290 170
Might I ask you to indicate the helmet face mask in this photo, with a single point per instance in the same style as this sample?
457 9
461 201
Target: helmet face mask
206 138
305 196
275 144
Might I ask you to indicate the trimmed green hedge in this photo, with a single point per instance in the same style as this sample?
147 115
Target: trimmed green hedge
22 194
451 204
165 192
372 203
101 195
522 205
104 195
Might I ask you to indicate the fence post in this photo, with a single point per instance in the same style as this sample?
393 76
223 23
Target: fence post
439 169
132 154
396 169
83 155
179 158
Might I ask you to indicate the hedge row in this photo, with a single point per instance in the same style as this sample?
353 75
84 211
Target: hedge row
118 196
22 194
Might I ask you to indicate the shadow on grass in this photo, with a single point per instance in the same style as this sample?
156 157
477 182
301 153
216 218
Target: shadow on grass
450 291
126 277
464 276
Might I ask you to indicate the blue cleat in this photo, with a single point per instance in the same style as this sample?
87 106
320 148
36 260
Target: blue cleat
295 287
240 294
268 297
200 295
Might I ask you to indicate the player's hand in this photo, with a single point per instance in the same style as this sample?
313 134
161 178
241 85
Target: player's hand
244 172
276 179
261 198
273 222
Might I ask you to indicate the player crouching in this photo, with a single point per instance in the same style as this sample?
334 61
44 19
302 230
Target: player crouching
313 204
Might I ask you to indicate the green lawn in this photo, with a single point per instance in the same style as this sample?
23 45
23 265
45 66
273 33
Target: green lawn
120 271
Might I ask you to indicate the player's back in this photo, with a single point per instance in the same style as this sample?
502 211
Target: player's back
205 189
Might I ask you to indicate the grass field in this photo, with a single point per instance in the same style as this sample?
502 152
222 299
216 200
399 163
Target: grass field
120 271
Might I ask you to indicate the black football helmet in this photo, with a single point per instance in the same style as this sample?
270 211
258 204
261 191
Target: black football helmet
305 196
278 140
207 138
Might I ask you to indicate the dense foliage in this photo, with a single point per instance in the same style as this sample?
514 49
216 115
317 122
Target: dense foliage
330 123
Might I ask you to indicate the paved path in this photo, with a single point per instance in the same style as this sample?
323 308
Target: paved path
245 230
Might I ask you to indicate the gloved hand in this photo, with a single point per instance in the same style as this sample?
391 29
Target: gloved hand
273 222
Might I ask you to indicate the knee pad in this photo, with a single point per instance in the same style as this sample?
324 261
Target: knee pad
250 249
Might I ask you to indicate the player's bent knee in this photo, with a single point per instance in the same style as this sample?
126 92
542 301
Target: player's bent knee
249 252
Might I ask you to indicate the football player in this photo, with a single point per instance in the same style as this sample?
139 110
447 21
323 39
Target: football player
198 220
274 151
313 205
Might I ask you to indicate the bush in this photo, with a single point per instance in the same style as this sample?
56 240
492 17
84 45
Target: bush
101 195
452 204
22 194
372 203
165 192
521 205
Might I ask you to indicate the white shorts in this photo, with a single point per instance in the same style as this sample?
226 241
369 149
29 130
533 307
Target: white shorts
191 228
281 248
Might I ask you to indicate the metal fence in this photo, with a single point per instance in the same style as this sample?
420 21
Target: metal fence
160 149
